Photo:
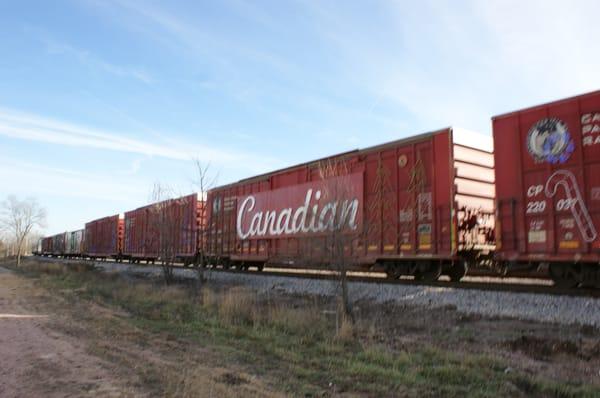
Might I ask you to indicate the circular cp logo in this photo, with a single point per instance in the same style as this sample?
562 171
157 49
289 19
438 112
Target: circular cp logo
549 140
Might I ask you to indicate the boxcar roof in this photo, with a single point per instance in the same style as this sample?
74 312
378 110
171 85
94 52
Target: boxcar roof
556 102
379 147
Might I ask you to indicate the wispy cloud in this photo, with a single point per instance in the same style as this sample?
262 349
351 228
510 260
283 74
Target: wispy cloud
462 62
220 51
92 61
293 91
30 127
44 179
26 126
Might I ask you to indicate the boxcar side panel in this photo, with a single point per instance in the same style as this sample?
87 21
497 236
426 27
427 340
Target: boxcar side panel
59 242
182 218
406 204
548 201
47 245
104 237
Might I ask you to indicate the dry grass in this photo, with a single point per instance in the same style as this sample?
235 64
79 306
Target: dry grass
238 305
209 298
304 321
44 268
53 268
205 382
346 330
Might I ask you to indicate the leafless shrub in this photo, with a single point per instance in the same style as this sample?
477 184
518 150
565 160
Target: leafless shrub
338 240
166 223
346 329
204 181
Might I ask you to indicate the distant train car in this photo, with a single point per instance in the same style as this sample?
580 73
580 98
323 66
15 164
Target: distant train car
103 238
74 245
548 188
46 246
38 247
59 244
418 206
168 228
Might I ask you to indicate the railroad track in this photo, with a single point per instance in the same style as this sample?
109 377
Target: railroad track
501 284
473 283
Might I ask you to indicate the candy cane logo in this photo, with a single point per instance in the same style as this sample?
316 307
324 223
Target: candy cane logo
549 140
568 182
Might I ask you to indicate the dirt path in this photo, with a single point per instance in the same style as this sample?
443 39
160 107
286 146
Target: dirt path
37 361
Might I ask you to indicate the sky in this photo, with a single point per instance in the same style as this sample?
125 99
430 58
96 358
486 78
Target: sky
99 100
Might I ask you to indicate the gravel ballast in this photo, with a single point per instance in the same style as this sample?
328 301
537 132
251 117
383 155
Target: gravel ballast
526 306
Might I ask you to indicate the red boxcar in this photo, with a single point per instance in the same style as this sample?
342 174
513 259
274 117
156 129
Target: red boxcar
143 229
103 238
47 245
548 187
416 205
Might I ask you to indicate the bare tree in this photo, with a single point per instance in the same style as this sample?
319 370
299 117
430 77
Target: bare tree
19 218
165 221
204 181
340 235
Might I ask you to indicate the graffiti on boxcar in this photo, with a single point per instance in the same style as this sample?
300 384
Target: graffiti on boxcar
424 206
573 202
590 129
549 140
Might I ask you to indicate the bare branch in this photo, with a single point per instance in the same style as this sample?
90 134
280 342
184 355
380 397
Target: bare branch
205 178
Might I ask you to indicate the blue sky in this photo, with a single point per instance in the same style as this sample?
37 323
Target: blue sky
100 99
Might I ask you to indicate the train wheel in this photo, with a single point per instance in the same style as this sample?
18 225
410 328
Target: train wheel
458 271
392 271
428 271
590 276
564 276
260 267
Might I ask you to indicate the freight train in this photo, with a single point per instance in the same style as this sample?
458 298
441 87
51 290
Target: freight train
526 200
